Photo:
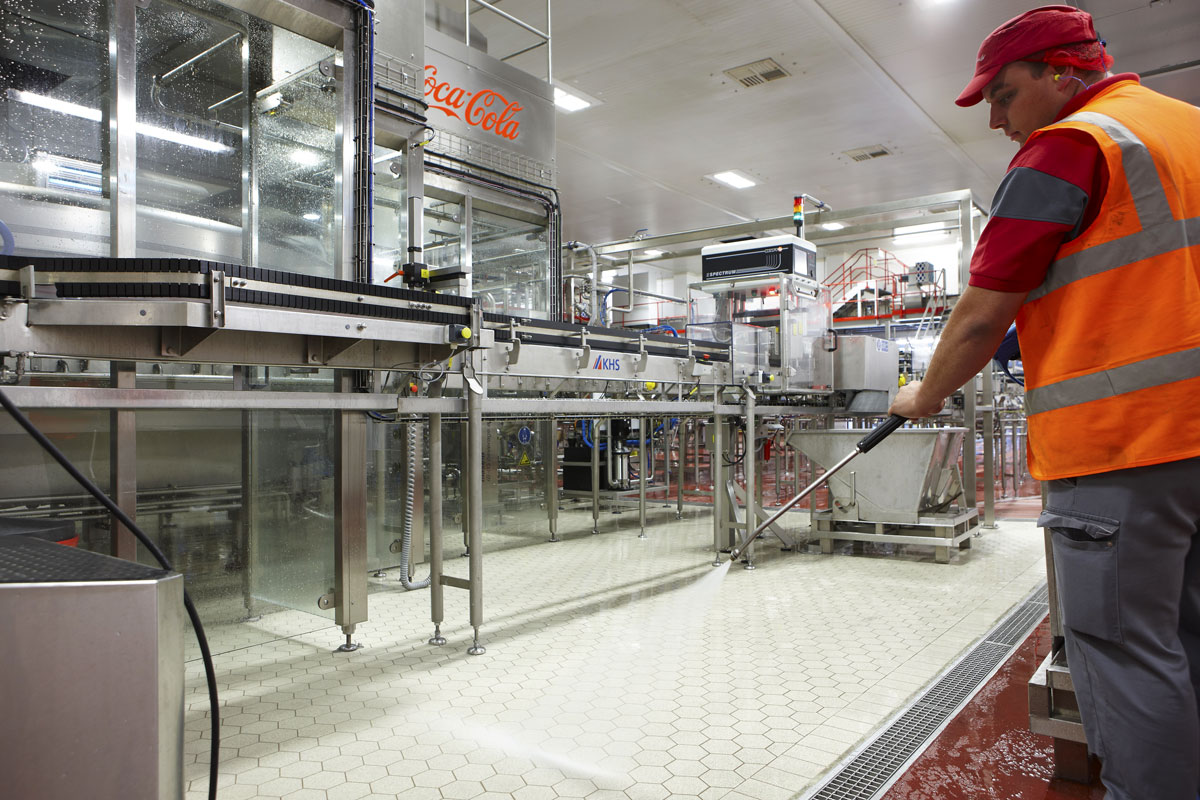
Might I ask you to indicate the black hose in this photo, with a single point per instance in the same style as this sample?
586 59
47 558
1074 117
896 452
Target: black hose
81 479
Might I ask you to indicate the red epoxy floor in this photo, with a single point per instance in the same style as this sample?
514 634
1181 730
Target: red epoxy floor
987 752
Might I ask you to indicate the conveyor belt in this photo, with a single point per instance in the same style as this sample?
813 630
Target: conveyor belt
566 334
198 267
532 331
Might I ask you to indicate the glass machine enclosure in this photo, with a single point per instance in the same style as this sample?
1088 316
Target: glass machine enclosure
236 151
187 129
778 327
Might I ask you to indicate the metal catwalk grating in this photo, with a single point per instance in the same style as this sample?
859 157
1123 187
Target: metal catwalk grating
869 771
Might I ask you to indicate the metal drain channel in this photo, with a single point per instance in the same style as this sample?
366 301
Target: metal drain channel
871 769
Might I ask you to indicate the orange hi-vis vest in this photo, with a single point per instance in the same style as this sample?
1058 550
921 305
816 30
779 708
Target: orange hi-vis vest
1111 339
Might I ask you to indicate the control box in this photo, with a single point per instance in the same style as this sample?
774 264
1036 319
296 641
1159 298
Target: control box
788 254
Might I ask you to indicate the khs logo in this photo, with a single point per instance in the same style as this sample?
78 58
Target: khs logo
486 108
610 364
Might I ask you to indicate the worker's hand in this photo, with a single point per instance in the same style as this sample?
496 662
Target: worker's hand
911 403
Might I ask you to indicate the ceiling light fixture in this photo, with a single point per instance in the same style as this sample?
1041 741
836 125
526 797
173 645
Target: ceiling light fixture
312 216
832 226
734 178
569 102
654 253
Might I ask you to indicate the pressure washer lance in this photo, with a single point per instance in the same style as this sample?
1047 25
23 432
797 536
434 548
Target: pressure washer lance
873 438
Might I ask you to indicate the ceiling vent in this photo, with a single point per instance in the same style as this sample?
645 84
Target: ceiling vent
758 72
867 153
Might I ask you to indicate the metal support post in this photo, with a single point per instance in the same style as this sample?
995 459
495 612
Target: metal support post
989 449
596 476
120 128
720 513
467 244
464 516
681 448
123 464
437 609
475 527
966 234
1003 453
244 542
350 519
666 426
749 465
550 463
779 457
970 421
642 466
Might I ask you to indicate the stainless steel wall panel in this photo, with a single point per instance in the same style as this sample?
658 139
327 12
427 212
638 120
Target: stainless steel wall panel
464 86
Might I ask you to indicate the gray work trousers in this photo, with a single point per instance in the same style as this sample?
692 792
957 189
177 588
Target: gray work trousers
1127 562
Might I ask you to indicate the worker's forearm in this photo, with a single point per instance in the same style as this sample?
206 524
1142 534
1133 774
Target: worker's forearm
962 352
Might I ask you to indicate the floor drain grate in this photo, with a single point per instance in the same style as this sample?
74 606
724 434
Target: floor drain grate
871 769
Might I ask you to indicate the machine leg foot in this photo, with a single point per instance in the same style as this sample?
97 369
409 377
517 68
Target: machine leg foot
554 538
749 565
476 649
642 535
826 547
437 638
378 574
941 555
678 515
350 645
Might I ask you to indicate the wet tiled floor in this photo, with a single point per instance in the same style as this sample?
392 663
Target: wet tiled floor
617 668
987 752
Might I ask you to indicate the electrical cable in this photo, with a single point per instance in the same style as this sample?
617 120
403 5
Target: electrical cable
124 519
7 243
502 174
609 293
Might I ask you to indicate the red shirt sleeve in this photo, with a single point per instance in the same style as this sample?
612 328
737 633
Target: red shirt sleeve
1014 252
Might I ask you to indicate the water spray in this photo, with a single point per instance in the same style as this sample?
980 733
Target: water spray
881 432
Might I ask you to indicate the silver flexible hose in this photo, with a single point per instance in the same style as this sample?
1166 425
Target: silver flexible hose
410 489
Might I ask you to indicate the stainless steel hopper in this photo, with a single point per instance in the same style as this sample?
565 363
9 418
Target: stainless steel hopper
908 477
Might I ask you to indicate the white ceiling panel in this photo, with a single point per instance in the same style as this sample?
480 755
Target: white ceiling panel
863 72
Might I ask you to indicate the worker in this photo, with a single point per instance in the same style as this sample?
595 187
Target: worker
1093 247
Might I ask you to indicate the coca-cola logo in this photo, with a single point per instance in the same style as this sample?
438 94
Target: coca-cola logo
486 108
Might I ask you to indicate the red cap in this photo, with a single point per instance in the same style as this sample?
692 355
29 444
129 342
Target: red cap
1023 36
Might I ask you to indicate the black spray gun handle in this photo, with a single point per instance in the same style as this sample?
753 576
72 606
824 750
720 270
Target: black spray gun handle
881 432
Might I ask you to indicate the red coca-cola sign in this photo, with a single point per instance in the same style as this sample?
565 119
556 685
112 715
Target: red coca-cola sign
485 108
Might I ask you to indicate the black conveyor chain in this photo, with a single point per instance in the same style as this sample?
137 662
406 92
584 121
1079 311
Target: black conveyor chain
196 266
546 332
